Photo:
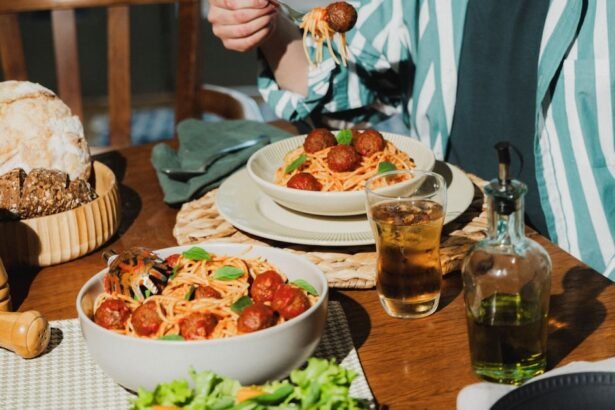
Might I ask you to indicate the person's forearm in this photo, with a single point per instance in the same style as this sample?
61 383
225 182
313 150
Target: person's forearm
283 50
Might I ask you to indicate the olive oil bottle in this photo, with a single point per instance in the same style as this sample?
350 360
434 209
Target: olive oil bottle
507 282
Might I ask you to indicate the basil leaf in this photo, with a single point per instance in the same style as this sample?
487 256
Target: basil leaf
303 284
386 166
197 254
171 337
148 293
190 292
240 304
344 137
174 273
228 273
296 163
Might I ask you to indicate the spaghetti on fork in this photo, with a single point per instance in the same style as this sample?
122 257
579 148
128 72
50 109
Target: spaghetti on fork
323 23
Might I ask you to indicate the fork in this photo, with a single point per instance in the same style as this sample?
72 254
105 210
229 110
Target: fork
291 12
185 174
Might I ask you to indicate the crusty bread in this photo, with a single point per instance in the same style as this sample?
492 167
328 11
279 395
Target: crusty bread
37 130
11 185
39 193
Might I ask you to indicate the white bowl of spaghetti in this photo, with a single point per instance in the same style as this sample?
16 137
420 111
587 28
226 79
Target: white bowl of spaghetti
342 193
134 360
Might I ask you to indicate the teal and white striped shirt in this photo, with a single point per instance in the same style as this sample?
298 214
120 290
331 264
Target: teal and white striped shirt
404 58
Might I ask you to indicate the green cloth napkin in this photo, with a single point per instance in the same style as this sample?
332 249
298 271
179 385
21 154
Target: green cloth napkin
198 139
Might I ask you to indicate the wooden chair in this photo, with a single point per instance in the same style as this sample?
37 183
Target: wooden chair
191 99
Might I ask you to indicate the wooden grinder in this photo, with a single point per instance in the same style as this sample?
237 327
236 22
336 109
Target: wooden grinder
25 333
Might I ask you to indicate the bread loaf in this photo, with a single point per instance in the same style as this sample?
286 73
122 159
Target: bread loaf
37 130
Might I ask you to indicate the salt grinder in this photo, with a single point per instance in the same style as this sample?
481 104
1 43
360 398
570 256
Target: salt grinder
25 333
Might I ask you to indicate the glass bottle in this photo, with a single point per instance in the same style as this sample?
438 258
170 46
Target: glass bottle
507 282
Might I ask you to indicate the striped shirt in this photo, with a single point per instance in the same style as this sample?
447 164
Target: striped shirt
404 59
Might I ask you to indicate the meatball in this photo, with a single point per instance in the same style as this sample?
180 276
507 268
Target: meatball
355 133
304 181
256 317
145 319
112 314
318 139
171 260
368 142
343 158
341 16
206 292
265 285
290 301
198 325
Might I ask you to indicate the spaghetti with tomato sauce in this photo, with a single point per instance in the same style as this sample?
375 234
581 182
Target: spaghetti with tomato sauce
364 154
209 297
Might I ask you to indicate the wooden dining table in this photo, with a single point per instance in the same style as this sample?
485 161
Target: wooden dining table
419 363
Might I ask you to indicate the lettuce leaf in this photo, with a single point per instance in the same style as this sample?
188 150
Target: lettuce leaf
324 385
144 400
176 393
212 392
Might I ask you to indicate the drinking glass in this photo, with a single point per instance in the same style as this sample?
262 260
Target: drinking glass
406 210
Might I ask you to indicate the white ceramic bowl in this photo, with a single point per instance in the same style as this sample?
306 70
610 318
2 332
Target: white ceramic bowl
251 358
264 162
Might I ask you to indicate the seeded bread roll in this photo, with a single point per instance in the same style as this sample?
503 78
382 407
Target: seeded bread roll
11 185
44 193
79 193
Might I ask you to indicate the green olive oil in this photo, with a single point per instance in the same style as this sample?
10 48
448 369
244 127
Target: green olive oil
509 339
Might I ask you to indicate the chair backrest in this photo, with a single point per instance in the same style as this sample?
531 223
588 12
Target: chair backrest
189 97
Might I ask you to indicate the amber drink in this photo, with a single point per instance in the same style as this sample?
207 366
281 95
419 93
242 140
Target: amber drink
407 232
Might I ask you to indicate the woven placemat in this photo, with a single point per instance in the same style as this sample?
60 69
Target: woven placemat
348 267
66 377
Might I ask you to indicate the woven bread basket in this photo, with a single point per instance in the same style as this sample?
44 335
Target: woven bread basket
64 236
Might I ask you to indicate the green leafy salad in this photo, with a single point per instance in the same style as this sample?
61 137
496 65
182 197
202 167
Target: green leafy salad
322 384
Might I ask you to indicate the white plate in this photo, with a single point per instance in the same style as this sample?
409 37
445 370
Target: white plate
243 205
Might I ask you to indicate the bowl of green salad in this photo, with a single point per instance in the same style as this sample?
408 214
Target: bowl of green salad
320 384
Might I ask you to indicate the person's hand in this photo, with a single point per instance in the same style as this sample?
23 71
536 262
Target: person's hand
242 24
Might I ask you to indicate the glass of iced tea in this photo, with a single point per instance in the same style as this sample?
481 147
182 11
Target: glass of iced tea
406 210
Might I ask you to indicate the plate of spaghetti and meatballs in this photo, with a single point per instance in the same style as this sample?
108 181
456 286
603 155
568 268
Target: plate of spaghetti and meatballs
324 172
248 312
245 206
